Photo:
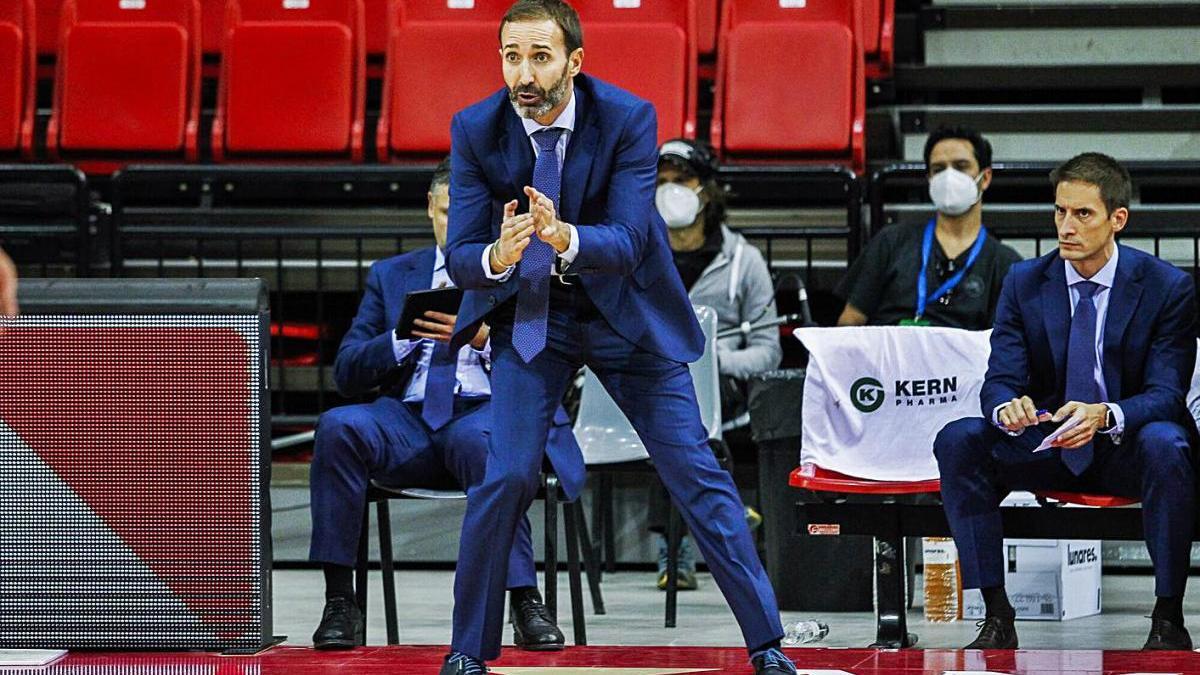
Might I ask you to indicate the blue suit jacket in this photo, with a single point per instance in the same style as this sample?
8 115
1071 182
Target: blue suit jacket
608 182
366 360
1149 339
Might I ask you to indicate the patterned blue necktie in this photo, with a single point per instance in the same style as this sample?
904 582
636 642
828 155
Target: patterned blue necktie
438 407
533 297
1081 367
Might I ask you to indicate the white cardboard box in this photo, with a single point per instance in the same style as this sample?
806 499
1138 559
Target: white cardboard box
1047 580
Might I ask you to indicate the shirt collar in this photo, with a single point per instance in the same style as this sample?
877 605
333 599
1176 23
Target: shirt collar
439 258
565 120
1104 277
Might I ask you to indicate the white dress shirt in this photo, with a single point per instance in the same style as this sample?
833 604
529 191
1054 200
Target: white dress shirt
471 373
565 121
1104 279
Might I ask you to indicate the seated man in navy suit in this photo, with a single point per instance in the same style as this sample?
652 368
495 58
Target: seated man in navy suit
1100 336
429 426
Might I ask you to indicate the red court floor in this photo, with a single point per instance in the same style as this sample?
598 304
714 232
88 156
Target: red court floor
624 661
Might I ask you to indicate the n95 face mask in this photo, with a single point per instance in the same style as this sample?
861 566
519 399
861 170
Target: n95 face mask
678 205
954 192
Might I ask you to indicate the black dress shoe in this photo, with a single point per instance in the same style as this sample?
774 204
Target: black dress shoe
461 664
1165 635
773 662
341 626
995 633
533 630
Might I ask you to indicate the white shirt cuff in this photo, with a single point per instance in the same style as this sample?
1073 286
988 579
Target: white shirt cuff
1001 427
485 354
568 256
487 266
402 348
1118 426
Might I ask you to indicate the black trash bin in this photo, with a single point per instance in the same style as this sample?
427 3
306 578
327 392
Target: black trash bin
827 574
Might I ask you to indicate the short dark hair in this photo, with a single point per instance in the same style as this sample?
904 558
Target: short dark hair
983 149
1106 173
555 10
441 175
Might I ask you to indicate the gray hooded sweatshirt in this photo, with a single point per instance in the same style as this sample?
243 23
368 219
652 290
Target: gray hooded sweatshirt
737 284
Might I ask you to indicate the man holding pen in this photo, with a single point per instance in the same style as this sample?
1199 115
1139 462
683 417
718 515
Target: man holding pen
1092 353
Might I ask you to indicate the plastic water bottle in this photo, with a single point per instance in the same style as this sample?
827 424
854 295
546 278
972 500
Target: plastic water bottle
804 632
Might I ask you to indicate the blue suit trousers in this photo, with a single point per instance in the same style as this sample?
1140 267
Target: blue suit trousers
658 397
980 465
389 442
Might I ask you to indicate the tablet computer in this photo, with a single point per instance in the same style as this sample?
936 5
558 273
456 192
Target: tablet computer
445 300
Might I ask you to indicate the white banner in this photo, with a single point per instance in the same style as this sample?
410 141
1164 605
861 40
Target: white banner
875 397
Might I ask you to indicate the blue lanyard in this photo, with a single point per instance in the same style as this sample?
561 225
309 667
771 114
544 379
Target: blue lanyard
949 284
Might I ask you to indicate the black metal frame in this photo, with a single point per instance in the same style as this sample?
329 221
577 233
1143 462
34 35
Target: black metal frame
197 217
576 531
890 523
72 225
202 209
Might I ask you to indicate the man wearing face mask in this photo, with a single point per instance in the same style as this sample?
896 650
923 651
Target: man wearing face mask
721 270
947 271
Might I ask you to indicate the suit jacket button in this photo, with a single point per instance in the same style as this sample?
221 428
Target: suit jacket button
492 300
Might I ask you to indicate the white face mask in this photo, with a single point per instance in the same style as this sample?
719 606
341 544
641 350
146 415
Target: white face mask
954 192
677 204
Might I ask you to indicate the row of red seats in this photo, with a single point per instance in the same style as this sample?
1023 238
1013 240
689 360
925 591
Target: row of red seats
790 80
878 18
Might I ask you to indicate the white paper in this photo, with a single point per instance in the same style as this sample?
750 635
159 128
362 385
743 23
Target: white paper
1072 422
30 657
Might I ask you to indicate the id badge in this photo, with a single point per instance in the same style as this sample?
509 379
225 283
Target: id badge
915 322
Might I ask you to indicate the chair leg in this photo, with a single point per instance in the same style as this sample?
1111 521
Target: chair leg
595 541
673 536
551 550
891 581
610 534
360 567
384 518
570 524
591 563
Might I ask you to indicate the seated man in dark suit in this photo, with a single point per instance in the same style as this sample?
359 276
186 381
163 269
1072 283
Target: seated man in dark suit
429 426
1097 335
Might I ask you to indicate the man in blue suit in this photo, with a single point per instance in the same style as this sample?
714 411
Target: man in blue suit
556 241
1101 338
429 427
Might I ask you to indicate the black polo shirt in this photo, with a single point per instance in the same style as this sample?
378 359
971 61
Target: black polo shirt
882 283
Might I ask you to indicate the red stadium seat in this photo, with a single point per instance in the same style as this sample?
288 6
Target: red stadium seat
661 36
790 82
422 92
1085 499
47 26
375 18
127 80
18 61
293 80
708 13
878 20
813 477
212 26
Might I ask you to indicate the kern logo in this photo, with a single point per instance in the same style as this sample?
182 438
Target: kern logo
867 394
1081 556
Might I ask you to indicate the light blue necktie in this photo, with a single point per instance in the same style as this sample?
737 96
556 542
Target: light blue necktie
533 297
